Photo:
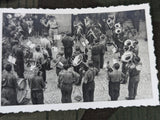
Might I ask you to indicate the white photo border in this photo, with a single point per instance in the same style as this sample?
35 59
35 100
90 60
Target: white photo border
85 105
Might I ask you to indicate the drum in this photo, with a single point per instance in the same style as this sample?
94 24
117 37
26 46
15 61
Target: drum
77 60
22 91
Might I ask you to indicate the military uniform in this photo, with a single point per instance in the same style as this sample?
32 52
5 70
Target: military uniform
37 85
114 83
9 86
19 65
61 61
134 77
95 52
68 44
89 85
66 80
102 52
40 63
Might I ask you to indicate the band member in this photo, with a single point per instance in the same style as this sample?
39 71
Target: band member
38 56
46 44
60 61
17 52
88 23
102 50
40 61
114 77
9 86
88 83
134 77
95 54
78 29
66 80
136 48
126 60
68 44
37 86
81 67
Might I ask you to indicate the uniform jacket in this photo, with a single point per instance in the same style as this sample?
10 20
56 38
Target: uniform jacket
90 75
115 76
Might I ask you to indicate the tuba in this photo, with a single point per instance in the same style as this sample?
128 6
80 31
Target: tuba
127 56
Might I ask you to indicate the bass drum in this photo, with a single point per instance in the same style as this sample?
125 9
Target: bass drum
77 60
22 91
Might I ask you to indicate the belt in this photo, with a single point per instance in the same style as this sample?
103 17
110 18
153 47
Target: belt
37 90
54 28
67 83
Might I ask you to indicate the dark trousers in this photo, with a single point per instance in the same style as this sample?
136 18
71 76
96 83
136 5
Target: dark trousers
132 87
37 96
101 60
77 69
68 52
58 70
114 88
49 52
124 70
10 95
96 61
66 91
88 91
19 68
43 70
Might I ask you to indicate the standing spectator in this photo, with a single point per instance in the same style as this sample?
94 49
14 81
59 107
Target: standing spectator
37 86
114 77
134 77
24 26
43 21
53 27
36 25
66 80
88 83
95 52
9 86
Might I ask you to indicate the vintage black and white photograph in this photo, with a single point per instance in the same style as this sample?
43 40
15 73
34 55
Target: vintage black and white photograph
51 58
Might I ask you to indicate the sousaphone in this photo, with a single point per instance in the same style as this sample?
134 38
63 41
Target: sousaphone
127 56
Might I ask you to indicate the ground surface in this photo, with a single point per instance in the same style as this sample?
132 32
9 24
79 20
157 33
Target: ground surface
53 95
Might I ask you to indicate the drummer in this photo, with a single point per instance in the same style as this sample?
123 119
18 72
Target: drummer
39 59
60 61
81 67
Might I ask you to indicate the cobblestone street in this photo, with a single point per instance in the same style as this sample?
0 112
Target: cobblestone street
53 93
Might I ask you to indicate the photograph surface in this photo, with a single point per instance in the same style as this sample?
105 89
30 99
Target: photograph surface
77 58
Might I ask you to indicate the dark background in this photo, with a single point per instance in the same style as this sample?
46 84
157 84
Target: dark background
129 113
